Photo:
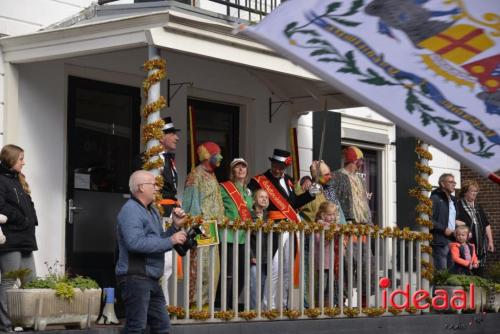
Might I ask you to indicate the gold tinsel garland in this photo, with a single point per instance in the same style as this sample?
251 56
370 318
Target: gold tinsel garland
154 106
313 312
149 165
373 311
248 315
152 152
224 315
292 314
155 64
425 204
271 314
153 131
330 231
411 310
332 311
200 315
426 249
351 312
394 310
178 311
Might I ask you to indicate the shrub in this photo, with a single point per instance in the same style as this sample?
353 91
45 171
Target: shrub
55 279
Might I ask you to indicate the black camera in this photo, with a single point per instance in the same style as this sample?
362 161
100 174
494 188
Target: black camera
190 242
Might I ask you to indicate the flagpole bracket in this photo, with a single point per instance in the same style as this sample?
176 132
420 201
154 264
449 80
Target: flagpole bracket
279 103
178 86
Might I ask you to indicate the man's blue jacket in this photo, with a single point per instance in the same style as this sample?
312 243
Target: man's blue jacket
141 241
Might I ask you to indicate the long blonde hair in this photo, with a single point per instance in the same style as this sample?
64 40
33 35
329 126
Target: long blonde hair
8 157
324 207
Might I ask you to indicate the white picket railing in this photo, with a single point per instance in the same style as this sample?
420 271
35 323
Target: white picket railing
395 257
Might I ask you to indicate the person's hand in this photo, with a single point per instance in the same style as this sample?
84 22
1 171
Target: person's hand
3 219
178 238
476 265
491 247
253 260
178 217
315 189
2 237
459 223
369 196
448 232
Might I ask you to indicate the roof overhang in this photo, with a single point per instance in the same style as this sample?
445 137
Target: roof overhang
182 32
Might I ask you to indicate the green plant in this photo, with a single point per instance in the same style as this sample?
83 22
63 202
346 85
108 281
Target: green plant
55 279
21 274
440 277
466 280
493 272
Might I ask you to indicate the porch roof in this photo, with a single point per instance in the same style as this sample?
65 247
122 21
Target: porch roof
175 27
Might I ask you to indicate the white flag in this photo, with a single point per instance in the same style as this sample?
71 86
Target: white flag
430 66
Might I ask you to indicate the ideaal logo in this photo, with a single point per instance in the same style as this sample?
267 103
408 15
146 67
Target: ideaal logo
420 298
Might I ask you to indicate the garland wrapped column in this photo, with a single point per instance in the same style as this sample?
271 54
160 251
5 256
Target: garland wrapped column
153 124
424 208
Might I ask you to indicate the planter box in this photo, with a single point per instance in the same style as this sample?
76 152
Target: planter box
38 308
494 301
480 295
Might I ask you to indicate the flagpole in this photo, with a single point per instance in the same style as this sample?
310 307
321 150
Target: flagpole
322 143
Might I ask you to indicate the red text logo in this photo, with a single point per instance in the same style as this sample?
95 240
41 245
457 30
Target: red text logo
402 299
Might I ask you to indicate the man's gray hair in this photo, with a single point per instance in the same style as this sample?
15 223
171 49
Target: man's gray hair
443 177
136 179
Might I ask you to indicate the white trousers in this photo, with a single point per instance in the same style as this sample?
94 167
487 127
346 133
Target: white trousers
275 276
166 274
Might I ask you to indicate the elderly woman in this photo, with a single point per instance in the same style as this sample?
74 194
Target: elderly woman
237 199
470 213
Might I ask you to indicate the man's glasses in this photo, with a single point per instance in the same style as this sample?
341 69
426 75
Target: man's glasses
152 183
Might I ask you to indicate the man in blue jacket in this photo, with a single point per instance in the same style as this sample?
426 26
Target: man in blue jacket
142 244
443 220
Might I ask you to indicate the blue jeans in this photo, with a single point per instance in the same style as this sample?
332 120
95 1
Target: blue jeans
144 305
440 255
253 285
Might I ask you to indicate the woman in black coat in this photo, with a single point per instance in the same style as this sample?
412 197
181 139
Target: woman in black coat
19 229
470 213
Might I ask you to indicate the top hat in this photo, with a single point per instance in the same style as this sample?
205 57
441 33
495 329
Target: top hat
169 126
281 156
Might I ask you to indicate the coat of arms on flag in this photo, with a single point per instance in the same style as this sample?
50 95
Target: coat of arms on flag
430 66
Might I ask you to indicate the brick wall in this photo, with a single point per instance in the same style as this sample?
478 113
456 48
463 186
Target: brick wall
489 198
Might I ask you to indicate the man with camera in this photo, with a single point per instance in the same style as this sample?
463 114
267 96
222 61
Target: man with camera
142 244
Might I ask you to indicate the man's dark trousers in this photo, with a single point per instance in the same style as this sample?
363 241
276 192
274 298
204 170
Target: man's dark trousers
144 305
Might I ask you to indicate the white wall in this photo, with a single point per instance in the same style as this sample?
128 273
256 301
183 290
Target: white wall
442 163
305 142
42 134
25 16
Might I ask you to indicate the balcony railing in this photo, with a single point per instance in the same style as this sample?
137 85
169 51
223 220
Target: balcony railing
249 10
357 258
